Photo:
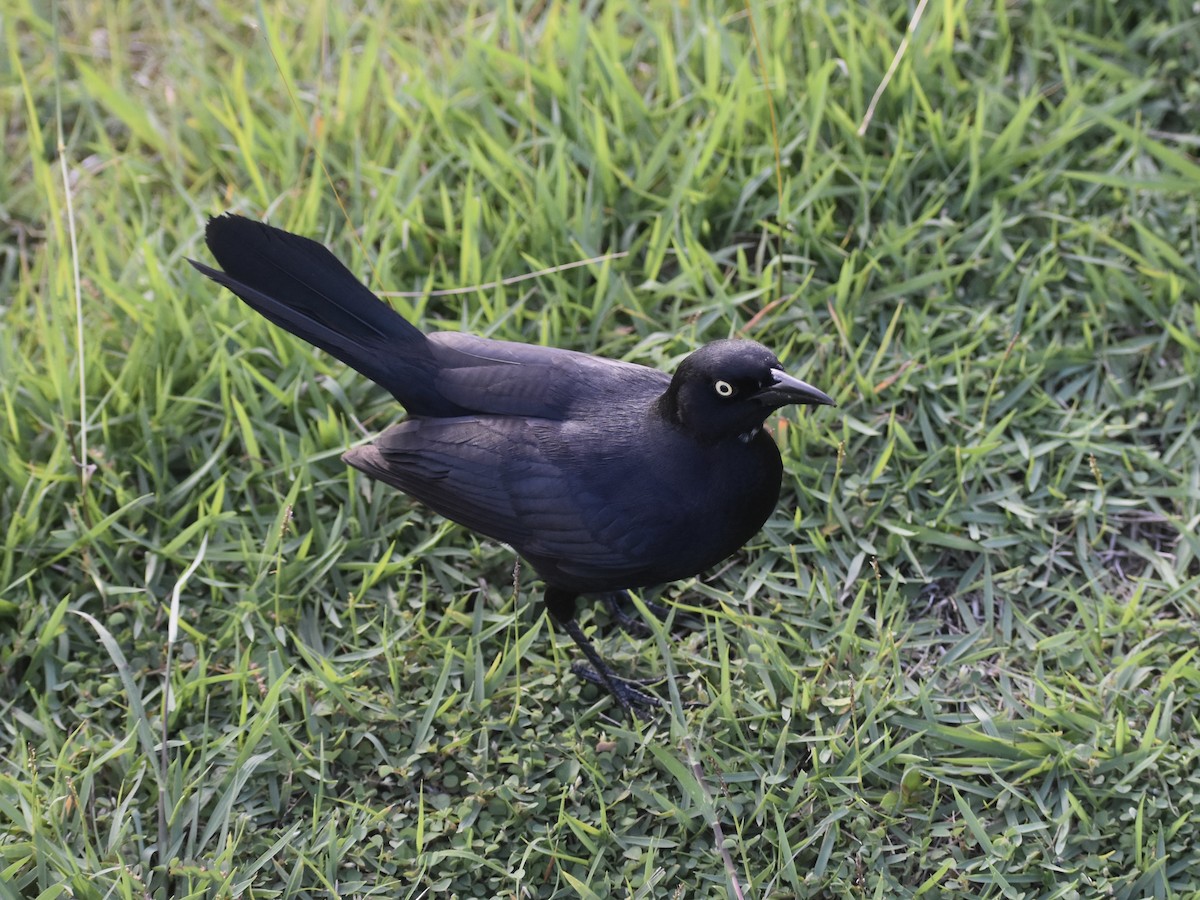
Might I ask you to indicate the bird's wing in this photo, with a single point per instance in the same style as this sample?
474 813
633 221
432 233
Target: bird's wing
532 485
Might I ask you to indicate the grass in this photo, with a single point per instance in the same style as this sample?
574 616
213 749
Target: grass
960 660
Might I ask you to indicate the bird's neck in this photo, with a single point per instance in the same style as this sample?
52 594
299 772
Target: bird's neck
667 406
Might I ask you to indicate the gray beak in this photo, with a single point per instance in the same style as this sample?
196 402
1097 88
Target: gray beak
786 390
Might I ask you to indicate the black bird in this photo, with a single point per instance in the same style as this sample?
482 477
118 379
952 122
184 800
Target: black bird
603 475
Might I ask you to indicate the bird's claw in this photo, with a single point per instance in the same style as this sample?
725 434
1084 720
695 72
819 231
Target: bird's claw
626 691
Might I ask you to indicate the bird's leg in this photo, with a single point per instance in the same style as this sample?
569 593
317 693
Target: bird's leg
620 608
626 692
622 611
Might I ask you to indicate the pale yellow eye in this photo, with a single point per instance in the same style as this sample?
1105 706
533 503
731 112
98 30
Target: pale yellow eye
723 389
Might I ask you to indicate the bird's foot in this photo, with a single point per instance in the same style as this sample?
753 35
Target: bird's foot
626 691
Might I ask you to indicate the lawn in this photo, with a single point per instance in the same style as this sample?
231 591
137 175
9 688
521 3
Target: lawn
960 660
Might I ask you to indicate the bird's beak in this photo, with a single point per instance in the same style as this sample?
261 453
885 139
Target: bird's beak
786 390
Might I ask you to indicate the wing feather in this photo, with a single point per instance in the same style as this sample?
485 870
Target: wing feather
514 480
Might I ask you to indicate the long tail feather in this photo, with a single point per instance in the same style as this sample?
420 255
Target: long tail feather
302 287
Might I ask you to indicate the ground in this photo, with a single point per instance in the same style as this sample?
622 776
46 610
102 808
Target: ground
960 659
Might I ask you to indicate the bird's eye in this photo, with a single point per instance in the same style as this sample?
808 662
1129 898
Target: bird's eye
723 389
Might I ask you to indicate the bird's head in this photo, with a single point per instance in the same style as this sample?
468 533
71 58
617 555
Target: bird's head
727 389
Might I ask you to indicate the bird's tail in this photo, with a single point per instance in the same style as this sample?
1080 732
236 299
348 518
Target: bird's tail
299 285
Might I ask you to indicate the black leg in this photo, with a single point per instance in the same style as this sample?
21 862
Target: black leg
626 692
623 612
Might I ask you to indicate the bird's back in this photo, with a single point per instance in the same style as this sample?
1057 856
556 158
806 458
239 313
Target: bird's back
500 378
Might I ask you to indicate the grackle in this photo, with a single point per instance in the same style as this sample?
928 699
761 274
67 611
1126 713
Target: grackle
603 475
